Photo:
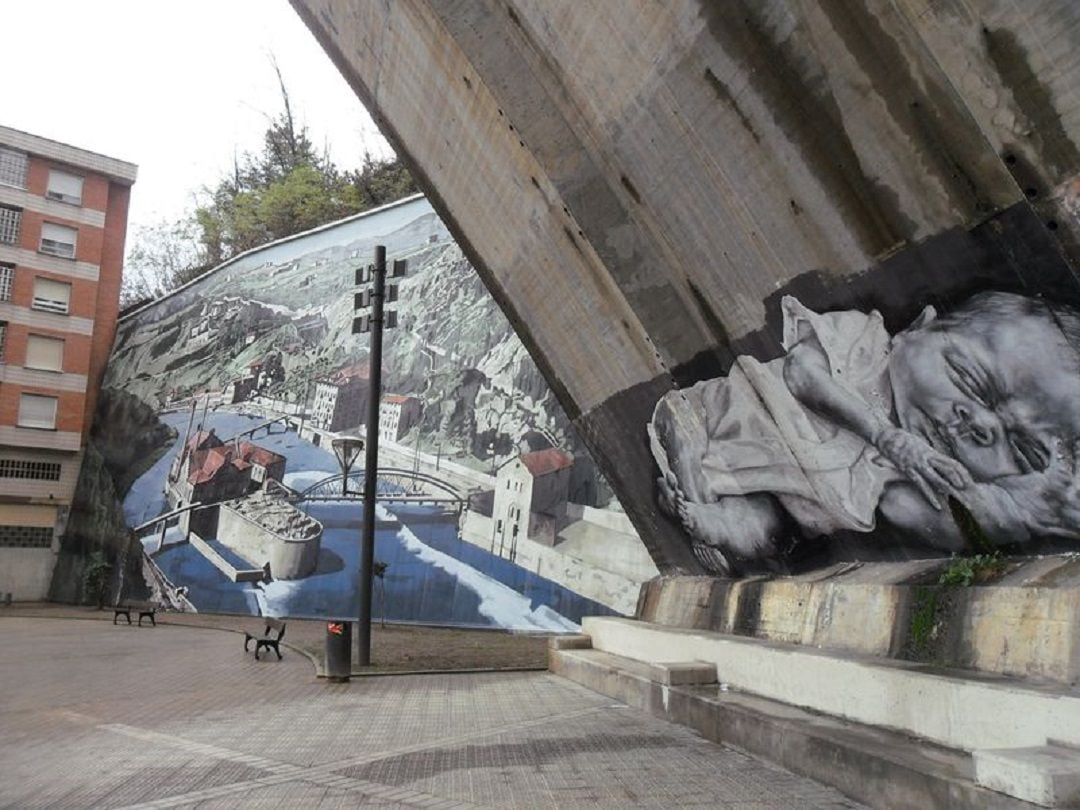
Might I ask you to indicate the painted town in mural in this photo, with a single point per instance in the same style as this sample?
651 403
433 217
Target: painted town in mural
237 386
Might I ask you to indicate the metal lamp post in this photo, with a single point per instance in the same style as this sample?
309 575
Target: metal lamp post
372 297
346 448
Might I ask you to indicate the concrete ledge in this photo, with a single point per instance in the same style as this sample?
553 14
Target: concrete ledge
876 766
954 708
576 641
1022 624
1048 775
691 673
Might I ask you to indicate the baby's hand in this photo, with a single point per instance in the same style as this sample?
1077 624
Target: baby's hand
1050 500
928 469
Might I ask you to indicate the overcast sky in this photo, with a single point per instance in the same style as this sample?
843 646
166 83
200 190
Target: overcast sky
174 87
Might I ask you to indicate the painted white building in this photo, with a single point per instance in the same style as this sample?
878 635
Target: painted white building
397 415
530 499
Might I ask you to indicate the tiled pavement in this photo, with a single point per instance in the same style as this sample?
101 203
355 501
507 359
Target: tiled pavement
93 715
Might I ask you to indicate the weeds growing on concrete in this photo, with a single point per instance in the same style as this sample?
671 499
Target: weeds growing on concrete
966 571
923 616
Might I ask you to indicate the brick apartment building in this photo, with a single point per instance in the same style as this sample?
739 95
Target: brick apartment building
63 219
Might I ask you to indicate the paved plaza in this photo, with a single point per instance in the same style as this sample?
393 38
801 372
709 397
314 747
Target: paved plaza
100 716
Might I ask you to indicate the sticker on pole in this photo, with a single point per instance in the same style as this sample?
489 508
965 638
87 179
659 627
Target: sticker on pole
337 628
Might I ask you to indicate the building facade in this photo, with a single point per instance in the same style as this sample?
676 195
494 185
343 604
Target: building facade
530 499
210 470
63 221
341 400
397 415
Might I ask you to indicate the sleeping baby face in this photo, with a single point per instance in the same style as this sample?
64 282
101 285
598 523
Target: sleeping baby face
996 393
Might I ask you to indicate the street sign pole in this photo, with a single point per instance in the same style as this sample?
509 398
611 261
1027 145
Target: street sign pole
372 297
371 471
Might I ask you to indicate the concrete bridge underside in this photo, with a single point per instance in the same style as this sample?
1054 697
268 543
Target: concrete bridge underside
638 182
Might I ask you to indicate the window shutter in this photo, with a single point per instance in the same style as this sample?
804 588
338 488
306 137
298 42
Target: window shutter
58 240
44 353
51 296
65 187
37 411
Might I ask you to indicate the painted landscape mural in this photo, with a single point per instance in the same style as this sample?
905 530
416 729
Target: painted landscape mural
221 407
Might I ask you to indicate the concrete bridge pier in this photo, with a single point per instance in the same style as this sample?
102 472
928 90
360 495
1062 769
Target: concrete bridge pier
639 185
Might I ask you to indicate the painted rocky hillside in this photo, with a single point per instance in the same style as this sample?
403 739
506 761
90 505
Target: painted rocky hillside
453 348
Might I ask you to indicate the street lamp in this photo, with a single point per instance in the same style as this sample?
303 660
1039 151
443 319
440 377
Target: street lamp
346 448
372 297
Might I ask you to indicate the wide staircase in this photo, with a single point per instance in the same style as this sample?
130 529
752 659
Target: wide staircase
887 732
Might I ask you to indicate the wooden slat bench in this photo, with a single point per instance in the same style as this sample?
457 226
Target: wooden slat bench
266 640
144 609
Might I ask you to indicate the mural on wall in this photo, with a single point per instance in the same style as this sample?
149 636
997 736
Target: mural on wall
967 420
222 403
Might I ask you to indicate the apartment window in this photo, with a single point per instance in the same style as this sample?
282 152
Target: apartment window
26 536
3 337
37 411
58 240
64 187
44 353
51 296
10 222
29 470
7 273
13 168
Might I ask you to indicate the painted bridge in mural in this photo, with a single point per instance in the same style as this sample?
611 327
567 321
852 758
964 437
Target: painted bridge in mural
395 484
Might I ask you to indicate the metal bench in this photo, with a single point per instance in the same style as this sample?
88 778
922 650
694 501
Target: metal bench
266 640
144 609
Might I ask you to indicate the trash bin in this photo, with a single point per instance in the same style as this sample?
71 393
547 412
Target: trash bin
338 650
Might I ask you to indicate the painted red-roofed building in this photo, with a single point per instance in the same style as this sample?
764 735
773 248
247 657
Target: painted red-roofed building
211 471
354 371
204 440
531 491
266 370
341 399
397 415
545 462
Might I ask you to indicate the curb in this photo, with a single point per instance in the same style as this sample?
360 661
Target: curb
313 659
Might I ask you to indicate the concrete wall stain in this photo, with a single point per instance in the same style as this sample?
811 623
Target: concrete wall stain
724 94
810 118
631 189
1035 101
926 115
708 314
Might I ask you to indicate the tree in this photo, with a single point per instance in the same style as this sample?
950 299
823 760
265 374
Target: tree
379 182
284 189
163 256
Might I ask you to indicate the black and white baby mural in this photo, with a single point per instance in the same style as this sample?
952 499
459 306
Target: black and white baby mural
223 403
966 421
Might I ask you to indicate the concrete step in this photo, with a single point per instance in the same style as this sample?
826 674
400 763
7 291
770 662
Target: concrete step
879 767
956 709
1048 775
